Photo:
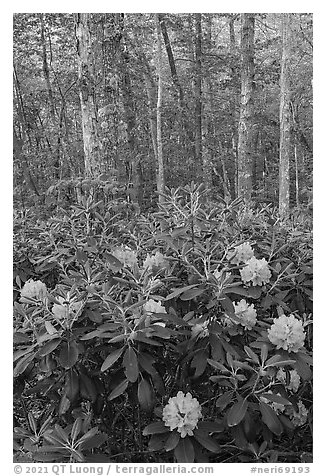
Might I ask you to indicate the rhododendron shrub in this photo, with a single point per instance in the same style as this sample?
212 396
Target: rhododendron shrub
178 333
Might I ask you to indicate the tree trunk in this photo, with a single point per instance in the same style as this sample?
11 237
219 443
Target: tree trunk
234 102
285 118
86 78
246 107
198 97
46 72
160 174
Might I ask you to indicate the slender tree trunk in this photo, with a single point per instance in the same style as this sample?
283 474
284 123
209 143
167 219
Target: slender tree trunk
198 96
46 72
285 118
160 175
246 107
234 102
86 80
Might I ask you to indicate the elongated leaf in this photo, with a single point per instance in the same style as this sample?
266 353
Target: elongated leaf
179 291
130 363
68 355
157 442
217 365
276 398
113 262
190 294
208 443
237 412
270 418
251 354
211 426
71 385
50 328
87 388
49 347
119 389
172 441
142 338
154 428
111 358
22 364
184 451
145 395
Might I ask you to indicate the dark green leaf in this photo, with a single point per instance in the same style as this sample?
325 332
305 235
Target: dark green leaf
111 359
184 451
156 427
68 354
119 389
130 363
237 412
270 418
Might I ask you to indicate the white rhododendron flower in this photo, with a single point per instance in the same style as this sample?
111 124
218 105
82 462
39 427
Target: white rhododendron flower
287 333
294 382
246 314
151 307
62 311
154 306
33 289
298 418
157 260
277 407
257 271
182 413
243 253
200 330
126 256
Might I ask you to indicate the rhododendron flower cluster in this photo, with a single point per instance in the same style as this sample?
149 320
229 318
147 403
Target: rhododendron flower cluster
246 314
200 330
257 271
294 382
287 333
154 306
298 418
33 289
66 308
157 260
126 256
182 413
243 253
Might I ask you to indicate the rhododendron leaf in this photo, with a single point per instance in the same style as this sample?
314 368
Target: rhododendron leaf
157 442
68 354
119 389
208 443
251 354
179 291
276 398
49 347
172 441
113 357
22 364
190 294
211 426
184 451
155 427
113 262
270 418
145 395
130 363
237 412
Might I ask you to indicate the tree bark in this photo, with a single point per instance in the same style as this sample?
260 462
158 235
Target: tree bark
285 118
86 78
198 96
46 72
246 107
160 174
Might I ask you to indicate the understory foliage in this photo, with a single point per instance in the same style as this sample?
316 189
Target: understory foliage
181 335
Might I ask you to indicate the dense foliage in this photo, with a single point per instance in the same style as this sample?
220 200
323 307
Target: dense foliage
183 334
